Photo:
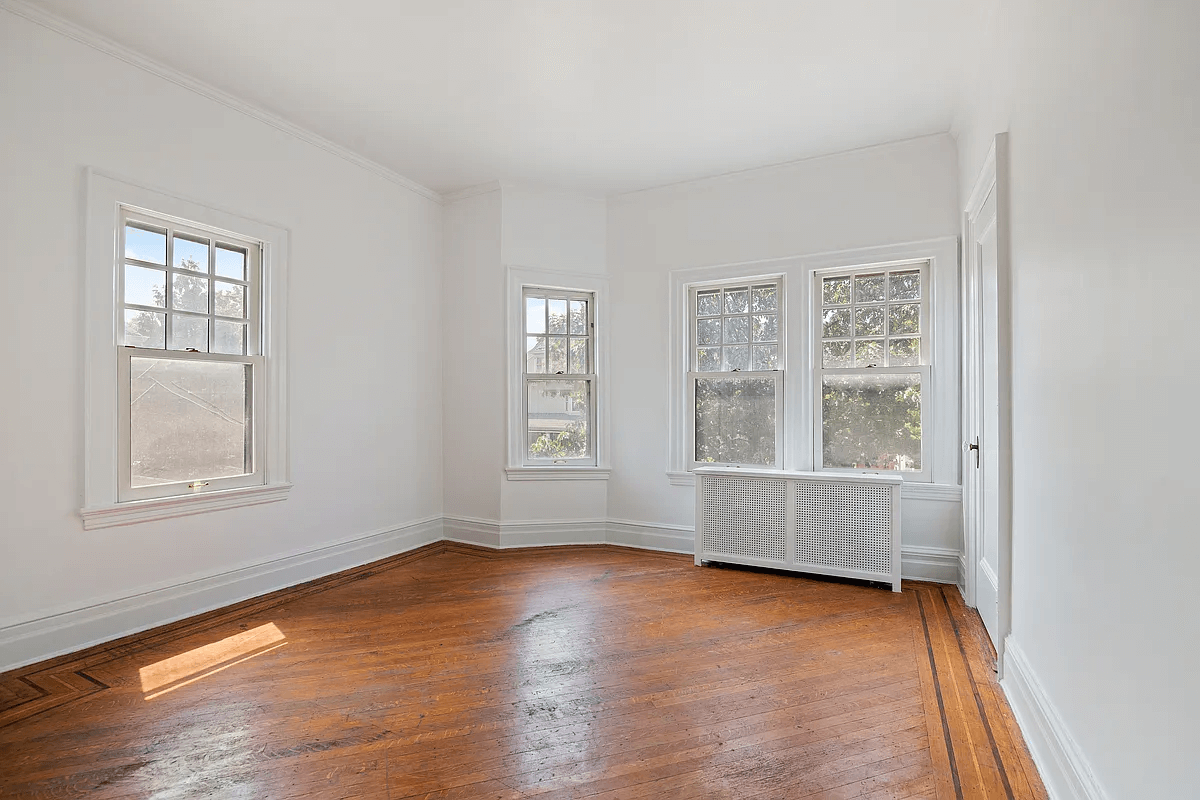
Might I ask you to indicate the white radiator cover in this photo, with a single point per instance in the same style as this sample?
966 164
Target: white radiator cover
826 523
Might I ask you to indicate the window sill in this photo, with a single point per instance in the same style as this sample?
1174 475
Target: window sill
137 511
911 490
558 473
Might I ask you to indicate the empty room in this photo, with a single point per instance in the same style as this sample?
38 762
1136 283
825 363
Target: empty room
499 399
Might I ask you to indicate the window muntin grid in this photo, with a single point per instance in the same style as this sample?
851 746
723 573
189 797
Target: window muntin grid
873 318
185 289
559 370
736 328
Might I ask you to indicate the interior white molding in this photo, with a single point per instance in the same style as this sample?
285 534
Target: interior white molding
66 630
557 473
945 492
70 629
107 46
471 191
136 511
1063 767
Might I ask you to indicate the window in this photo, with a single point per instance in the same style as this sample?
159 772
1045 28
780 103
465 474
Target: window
735 377
559 377
184 357
872 369
189 359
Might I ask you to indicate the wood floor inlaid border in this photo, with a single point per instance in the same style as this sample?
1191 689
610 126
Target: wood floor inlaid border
974 742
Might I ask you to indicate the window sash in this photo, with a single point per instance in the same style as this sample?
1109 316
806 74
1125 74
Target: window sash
818 307
532 461
252 283
257 406
559 294
750 283
818 427
776 376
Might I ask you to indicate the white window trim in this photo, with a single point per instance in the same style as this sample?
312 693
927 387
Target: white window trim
106 196
928 329
777 376
799 392
518 279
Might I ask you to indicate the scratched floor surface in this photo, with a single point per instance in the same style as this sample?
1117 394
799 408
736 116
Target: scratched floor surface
598 672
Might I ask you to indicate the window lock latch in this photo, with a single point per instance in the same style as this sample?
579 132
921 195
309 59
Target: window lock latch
197 484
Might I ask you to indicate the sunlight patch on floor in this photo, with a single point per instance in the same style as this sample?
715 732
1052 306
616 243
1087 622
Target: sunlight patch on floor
200 662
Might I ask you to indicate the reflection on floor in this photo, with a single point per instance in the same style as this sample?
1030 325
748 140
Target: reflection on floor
459 672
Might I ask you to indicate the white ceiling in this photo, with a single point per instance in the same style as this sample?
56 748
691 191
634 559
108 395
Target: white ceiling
601 96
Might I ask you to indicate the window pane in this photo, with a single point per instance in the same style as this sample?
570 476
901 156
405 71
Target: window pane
559 419
737 357
145 245
579 317
735 420
188 420
871 421
189 294
191 254
535 315
230 338
868 321
766 327
708 303
557 357
904 352
737 301
868 288
229 299
189 333
558 316
579 356
836 355
835 291
766 357
906 318
145 287
762 298
737 330
708 359
906 285
535 354
835 322
708 331
144 329
868 353
231 263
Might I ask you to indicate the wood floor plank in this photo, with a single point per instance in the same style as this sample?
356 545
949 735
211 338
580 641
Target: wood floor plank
573 672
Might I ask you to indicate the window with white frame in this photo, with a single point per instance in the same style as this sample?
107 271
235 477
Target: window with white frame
559 374
872 369
189 359
735 378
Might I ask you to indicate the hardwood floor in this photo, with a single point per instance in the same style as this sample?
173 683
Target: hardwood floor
572 672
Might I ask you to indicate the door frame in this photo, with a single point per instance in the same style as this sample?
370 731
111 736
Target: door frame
993 178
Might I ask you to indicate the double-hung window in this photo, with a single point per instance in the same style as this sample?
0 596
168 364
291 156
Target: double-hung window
872 369
559 375
189 359
735 377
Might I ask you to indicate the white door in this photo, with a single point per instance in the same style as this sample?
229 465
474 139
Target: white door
987 453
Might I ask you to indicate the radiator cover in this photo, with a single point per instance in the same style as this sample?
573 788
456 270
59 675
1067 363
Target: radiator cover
825 523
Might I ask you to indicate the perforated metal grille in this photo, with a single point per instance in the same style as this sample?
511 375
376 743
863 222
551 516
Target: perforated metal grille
844 525
744 517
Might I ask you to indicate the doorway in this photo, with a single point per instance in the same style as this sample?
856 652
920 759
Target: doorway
987 414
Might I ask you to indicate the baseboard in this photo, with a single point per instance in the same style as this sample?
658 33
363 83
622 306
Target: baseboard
934 564
1064 769
57 633
651 536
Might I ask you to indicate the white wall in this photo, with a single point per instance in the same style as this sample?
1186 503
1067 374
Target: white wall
365 388
1103 110
886 195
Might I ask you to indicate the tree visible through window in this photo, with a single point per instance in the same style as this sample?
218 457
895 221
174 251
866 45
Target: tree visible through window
872 369
560 377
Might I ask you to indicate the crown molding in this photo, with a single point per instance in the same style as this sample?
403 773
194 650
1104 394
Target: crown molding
471 191
54 22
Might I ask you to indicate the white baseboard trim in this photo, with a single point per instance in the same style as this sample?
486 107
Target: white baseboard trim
1064 769
652 536
935 564
67 631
